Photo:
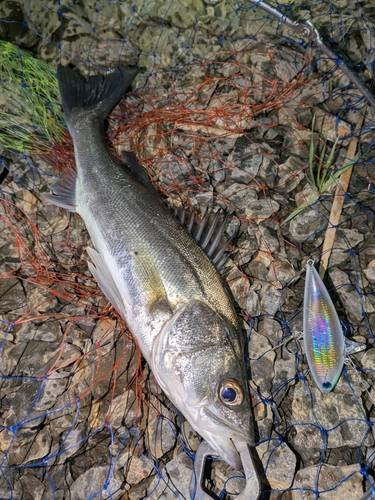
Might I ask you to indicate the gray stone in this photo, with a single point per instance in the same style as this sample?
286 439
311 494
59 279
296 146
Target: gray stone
270 301
261 209
92 483
125 410
338 414
12 295
40 446
348 238
370 272
136 468
32 487
174 480
279 463
240 195
350 298
252 302
246 160
239 285
305 224
331 483
281 271
331 127
284 374
262 358
160 429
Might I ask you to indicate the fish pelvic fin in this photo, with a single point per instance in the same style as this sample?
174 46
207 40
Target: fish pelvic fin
98 92
64 191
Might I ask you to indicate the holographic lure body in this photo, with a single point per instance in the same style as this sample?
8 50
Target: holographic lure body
323 337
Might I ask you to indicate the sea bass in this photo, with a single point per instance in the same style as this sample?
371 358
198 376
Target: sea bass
154 273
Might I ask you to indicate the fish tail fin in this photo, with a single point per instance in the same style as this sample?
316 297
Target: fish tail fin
99 93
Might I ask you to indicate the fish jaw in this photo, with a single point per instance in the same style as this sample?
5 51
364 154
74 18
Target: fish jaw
197 354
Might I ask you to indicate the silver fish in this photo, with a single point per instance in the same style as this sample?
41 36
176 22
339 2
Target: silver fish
154 273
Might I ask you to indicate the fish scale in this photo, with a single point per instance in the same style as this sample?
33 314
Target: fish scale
154 273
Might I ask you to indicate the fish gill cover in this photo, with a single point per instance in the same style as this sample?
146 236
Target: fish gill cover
230 108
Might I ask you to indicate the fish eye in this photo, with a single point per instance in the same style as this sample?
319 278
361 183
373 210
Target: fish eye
231 392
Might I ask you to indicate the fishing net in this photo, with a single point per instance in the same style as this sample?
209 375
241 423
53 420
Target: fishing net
230 108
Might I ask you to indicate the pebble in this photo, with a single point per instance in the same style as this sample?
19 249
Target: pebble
333 482
173 481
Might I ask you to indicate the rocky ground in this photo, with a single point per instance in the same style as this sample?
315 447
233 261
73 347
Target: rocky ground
224 103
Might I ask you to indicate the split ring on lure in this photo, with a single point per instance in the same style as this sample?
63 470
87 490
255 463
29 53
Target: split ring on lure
323 337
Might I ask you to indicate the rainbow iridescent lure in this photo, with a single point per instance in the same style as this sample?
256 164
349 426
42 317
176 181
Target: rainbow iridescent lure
323 337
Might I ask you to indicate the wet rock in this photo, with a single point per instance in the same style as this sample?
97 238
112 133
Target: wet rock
174 480
279 463
333 482
239 285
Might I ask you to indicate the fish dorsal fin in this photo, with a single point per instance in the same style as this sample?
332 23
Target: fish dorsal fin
208 232
65 191
130 161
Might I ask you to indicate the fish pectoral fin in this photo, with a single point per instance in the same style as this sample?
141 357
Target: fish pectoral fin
103 276
65 191
150 286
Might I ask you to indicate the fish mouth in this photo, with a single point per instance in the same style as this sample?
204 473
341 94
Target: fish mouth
224 439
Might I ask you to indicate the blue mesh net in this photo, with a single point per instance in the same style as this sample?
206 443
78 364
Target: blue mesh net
220 114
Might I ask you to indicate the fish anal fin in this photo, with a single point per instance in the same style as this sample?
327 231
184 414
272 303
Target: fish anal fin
102 274
65 191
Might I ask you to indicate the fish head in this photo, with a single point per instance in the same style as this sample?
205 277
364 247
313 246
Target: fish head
198 360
